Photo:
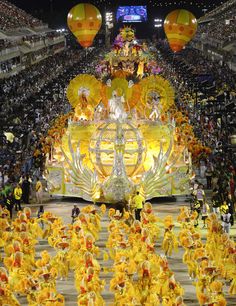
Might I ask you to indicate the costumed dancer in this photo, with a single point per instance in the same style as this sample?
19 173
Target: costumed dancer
150 221
170 241
226 218
155 113
6 295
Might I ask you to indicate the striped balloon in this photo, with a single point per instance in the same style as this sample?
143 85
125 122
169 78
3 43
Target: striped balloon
180 27
84 21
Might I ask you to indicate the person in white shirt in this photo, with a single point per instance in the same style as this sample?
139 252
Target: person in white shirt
226 218
199 195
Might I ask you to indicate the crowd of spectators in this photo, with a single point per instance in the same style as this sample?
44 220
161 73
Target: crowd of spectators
9 64
28 39
40 37
200 83
202 87
11 17
220 24
5 43
219 10
29 103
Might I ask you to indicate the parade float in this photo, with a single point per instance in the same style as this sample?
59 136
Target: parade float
121 136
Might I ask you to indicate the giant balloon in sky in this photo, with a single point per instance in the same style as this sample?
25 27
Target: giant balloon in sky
180 27
84 20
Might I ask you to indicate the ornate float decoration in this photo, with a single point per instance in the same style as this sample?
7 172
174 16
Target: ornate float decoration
120 138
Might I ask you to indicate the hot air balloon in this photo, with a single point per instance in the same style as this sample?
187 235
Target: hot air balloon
180 27
84 21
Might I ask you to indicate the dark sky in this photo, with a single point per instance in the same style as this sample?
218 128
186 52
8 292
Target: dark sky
54 12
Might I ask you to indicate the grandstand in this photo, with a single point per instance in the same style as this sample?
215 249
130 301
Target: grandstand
216 35
13 17
24 40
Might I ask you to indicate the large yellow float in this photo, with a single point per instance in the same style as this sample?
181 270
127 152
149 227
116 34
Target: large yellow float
121 138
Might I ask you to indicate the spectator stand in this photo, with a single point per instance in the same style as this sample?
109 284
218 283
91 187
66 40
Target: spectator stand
24 40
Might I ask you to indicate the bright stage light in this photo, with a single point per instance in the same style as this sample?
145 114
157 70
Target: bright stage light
109 20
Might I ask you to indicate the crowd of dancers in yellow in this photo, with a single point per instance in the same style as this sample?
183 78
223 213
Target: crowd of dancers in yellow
210 265
140 276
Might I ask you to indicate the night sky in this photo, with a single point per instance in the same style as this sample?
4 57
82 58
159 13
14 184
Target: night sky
54 12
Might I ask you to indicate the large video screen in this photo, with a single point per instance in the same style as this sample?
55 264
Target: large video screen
132 14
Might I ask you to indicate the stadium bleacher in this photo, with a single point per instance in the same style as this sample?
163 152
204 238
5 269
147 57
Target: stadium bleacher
11 17
220 23
24 40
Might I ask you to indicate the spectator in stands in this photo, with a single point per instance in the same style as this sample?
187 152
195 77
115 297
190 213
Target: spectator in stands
31 101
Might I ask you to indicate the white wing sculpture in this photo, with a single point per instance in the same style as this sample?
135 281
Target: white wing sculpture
158 176
83 177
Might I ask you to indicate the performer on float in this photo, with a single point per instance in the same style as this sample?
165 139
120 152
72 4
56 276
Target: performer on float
155 104
99 113
126 49
140 69
116 107
83 109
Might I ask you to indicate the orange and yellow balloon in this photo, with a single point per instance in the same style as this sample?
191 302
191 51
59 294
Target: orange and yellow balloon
180 27
84 20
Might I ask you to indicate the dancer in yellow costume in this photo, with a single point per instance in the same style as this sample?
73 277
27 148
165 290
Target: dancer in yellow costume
91 282
49 297
150 221
216 295
123 289
94 221
19 270
170 241
91 298
87 261
232 288
33 224
74 256
44 260
6 295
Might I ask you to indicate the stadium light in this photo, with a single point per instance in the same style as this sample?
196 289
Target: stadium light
109 25
158 22
109 20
